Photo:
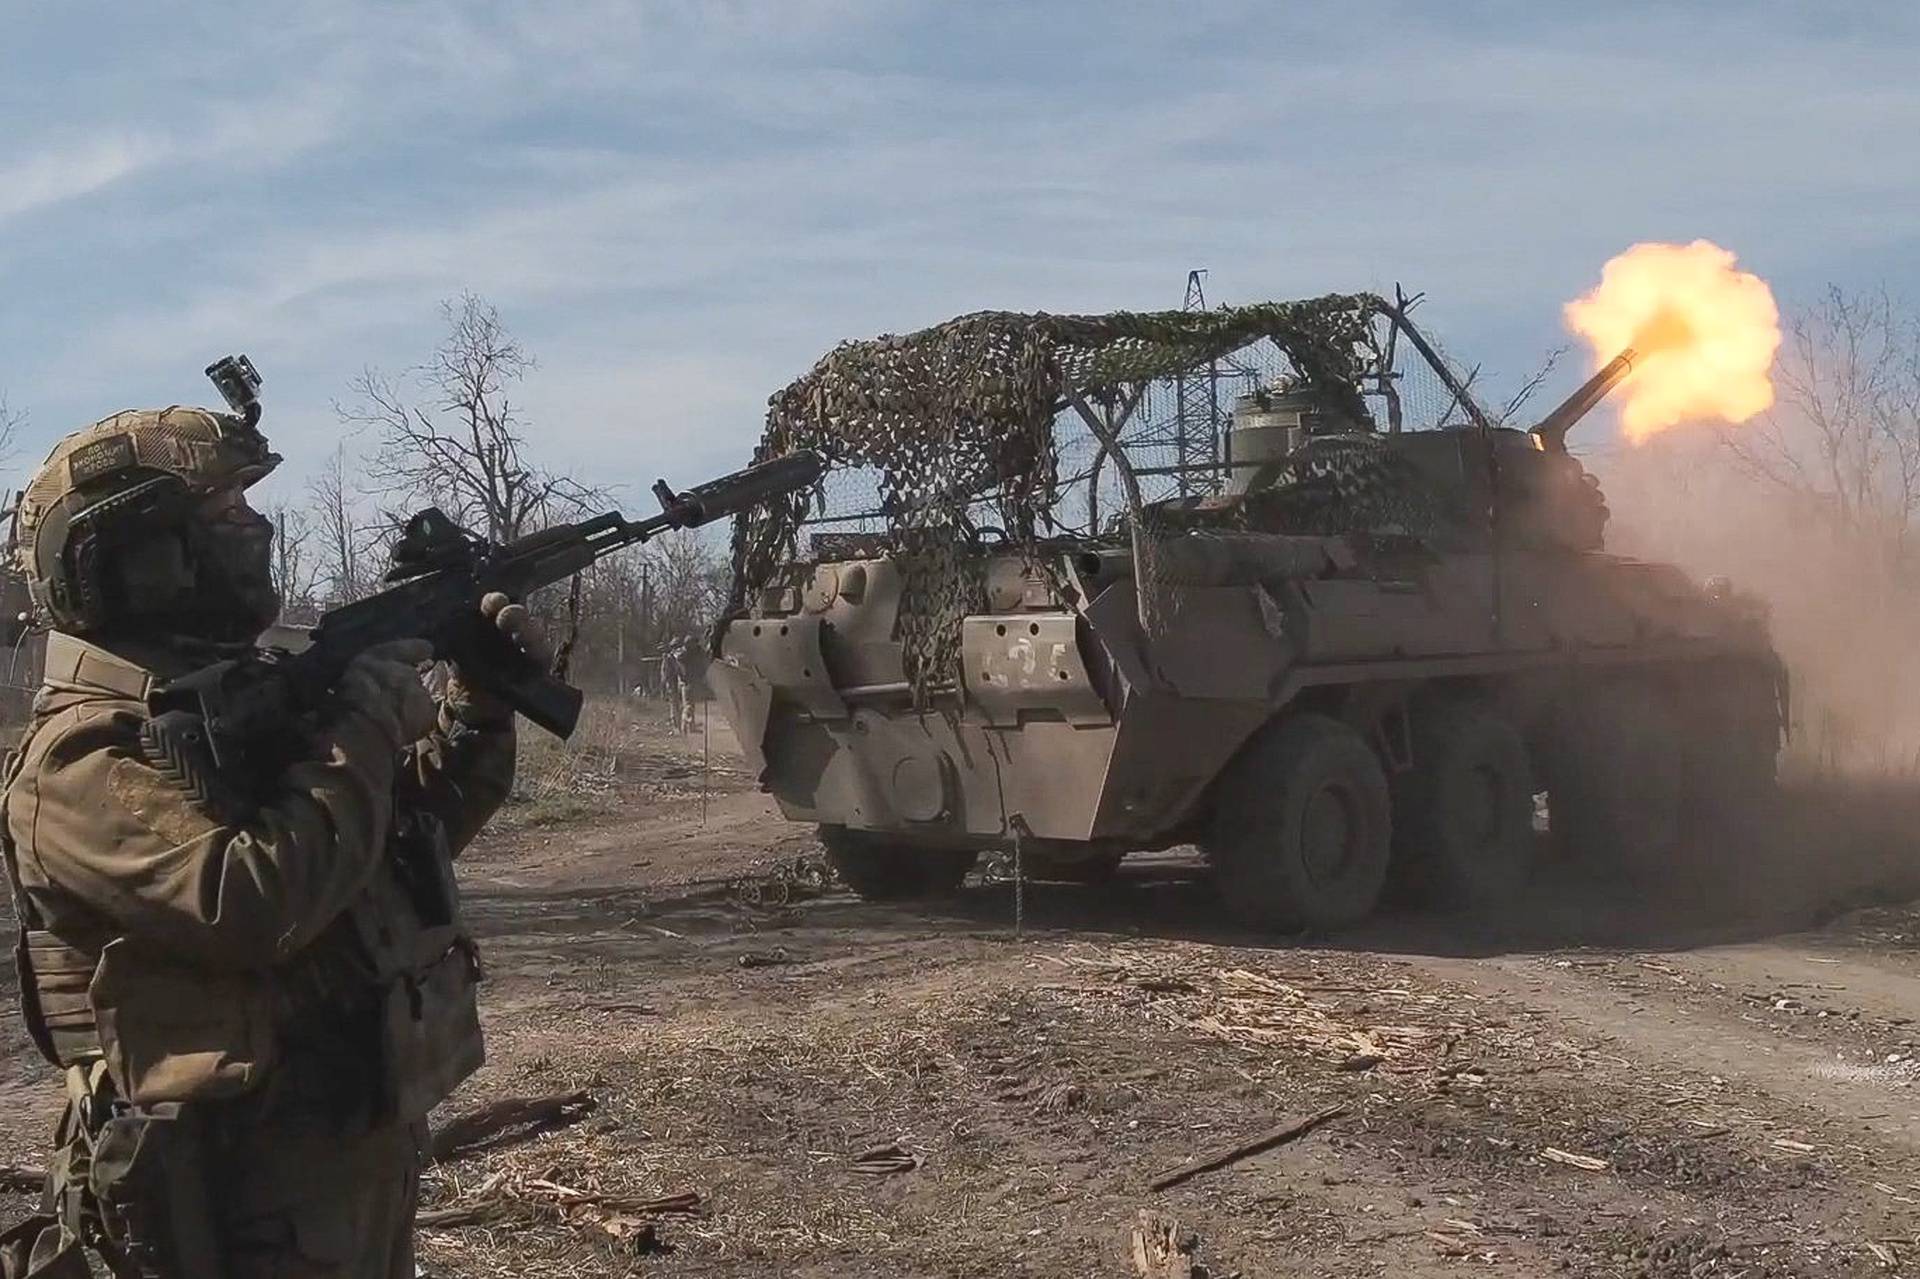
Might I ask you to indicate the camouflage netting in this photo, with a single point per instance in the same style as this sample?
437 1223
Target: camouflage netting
1342 484
965 411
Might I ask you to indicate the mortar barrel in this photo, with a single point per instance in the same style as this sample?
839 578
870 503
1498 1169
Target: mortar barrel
1553 428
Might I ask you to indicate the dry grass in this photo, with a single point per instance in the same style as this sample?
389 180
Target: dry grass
1344 1023
701 1102
762 1107
622 749
588 762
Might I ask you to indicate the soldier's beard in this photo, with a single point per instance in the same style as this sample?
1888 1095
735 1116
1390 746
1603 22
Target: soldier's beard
233 597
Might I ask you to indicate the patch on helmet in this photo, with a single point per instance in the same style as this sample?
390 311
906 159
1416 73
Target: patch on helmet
101 457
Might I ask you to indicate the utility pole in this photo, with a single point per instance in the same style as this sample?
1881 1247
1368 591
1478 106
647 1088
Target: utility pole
1196 412
1193 428
646 610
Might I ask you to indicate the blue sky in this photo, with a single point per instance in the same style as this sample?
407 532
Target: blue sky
677 206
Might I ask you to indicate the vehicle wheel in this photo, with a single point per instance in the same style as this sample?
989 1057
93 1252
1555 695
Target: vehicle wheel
1463 817
878 867
1616 791
1731 801
1730 783
1302 828
1733 749
1086 870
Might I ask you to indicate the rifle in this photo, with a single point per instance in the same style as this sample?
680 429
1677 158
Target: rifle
440 572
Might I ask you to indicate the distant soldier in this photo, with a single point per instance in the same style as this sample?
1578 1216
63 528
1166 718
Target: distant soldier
673 682
257 984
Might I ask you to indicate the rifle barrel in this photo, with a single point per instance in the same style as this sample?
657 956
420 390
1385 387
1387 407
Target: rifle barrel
716 499
731 494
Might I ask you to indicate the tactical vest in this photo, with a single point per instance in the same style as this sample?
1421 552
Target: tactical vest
388 991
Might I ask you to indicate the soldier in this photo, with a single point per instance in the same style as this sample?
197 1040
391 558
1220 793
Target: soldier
256 989
692 665
673 682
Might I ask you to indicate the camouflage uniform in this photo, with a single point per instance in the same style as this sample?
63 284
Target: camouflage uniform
266 988
673 679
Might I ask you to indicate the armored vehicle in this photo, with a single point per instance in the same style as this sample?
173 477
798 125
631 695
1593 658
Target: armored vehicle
1233 578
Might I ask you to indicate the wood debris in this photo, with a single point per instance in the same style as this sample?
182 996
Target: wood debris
22 1178
503 1200
1162 1249
509 1119
1292 1130
766 958
1166 985
1572 1160
880 1161
1349 1024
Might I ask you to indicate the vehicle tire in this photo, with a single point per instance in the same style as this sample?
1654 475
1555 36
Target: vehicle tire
1731 803
1463 816
1616 794
1733 748
879 867
1099 869
1732 785
1302 828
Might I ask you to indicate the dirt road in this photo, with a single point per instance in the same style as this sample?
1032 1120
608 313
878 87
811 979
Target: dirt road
1612 1085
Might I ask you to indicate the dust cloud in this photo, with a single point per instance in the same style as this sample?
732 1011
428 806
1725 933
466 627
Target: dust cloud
1844 608
1844 605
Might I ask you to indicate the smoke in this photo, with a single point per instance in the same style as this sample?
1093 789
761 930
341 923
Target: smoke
1706 331
1842 597
1814 508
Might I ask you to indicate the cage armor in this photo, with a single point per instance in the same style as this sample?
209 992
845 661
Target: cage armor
314 944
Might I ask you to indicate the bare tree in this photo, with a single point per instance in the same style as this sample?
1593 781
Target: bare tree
1844 437
342 571
688 583
1532 385
636 604
293 570
11 420
449 433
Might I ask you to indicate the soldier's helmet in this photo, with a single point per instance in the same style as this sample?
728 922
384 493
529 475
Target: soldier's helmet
106 529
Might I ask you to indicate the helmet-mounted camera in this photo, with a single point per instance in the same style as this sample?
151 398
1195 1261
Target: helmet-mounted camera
239 385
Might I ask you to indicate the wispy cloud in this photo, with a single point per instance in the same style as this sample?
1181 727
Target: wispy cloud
68 170
235 136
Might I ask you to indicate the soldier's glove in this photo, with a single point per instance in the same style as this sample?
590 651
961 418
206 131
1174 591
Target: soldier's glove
383 684
475 707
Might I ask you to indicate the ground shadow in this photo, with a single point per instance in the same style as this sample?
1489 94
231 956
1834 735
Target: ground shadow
1822 851
1825 851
